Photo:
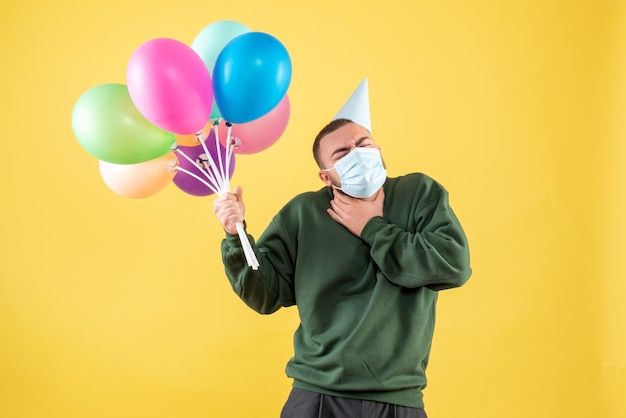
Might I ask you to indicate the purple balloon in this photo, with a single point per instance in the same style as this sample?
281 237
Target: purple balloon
201 164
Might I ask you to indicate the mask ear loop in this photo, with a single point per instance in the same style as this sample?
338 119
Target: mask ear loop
325 170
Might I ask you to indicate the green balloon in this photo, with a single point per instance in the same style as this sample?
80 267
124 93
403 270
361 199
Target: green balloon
108 125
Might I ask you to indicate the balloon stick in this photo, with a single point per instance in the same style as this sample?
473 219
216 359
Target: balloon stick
179 168
229 150
214 168
220 185
206 173
247 248
219 155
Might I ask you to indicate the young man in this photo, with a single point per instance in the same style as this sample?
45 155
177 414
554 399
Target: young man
363 259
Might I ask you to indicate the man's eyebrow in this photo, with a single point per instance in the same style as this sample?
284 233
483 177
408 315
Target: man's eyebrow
358 142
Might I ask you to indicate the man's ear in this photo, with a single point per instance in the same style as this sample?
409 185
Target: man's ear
324 177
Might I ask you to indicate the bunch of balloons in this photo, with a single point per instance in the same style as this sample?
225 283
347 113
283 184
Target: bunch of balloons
186 110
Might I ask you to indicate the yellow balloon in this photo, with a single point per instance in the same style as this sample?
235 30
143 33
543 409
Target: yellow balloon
139 180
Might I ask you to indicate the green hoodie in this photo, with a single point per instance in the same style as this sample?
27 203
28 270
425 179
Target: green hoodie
366 305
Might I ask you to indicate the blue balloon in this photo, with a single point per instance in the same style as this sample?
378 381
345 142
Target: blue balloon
251 76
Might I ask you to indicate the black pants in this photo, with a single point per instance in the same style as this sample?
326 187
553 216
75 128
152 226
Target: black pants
305 404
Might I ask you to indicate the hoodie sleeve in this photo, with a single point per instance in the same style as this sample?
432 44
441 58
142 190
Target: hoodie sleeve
432 251
270 287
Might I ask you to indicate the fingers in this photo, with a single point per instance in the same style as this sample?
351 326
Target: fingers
334 215
341 197
228 198
354 213
229 209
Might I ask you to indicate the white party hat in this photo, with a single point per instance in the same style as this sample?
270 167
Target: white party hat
357 107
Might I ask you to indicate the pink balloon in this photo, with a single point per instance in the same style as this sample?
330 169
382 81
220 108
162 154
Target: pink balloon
259 134
170 85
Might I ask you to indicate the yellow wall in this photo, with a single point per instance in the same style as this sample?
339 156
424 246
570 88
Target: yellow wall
111 307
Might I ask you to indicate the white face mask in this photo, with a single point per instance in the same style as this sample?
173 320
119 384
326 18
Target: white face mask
361 172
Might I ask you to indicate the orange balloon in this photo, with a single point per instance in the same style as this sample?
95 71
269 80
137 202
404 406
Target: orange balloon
139 180
191 140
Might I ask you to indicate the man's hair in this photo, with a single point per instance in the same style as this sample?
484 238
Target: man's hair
331 127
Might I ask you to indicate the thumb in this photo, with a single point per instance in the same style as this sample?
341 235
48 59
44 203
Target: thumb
238 192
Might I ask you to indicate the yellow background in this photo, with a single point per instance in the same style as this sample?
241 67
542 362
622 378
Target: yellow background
112 307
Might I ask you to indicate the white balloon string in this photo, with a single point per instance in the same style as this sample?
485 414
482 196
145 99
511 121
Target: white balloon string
219 157
229 153
206 173
211 168
212 165
213 189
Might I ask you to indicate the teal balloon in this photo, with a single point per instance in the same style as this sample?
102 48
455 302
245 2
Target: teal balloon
107 125
212 39
210 42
